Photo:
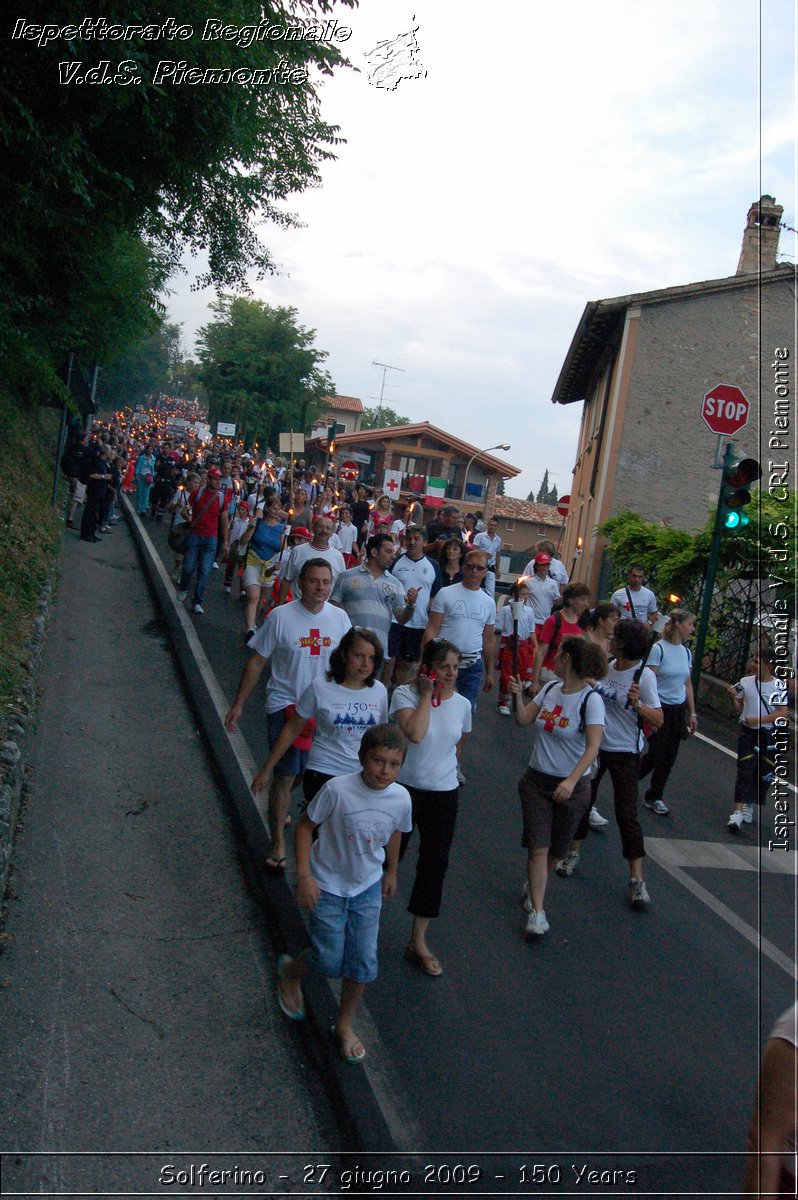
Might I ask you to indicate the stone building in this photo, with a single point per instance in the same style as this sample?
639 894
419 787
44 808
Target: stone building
640 366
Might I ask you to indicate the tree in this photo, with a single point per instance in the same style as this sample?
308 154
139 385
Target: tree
261 369
545 494
149 367
146 157
500 488
381 418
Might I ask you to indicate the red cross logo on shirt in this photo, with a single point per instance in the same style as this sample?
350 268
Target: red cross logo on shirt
315 641
392 485
550 719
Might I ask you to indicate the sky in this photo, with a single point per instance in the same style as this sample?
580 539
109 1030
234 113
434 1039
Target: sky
546 158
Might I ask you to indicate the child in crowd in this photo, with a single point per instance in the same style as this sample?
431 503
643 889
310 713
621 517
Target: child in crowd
761 701
340 879
527 644
347 536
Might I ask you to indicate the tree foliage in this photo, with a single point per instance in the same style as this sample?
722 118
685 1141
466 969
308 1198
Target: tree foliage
166 166
261 369
381 417
677 561
546 494
151 366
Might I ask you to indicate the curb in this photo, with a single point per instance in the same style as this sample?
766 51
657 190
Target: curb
366 1127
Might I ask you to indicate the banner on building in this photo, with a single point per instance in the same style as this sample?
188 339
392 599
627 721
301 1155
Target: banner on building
436 491
392 484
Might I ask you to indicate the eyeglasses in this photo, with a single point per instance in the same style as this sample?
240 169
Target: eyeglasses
473 567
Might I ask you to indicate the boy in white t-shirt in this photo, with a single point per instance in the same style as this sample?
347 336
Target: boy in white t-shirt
761 702
359 819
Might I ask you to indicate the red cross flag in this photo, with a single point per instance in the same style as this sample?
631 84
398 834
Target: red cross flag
392 483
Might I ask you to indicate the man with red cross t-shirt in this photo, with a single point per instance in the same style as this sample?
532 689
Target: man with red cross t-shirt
297 640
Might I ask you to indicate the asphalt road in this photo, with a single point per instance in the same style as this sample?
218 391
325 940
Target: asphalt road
621 1041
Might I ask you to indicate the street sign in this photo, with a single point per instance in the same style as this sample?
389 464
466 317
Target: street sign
225 429
725 409
348 471
562 505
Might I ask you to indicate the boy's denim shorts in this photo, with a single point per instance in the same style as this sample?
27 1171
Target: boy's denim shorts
344 932
293 761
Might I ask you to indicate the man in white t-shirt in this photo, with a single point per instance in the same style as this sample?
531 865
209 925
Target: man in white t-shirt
491 543
543 590
319 547
636 602
413 570
464 614
297 640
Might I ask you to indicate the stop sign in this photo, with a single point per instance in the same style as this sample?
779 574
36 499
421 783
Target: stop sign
725 409
562 505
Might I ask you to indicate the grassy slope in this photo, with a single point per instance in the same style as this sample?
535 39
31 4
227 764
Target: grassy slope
29 532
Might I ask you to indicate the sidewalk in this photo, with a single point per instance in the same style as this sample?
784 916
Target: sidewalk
136 1006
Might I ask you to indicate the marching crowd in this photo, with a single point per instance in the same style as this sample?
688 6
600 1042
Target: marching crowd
380 633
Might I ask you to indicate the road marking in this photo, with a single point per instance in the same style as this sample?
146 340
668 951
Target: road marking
733 754
681 852
666 859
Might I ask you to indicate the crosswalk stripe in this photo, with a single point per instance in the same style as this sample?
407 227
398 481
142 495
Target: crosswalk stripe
761 944
682 852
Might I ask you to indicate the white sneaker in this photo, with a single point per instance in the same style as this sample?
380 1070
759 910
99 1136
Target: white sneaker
181 596
595 820
526 899
460 776
565 866
734 823
216 566
536 924
638 893
657 806
504 709
228 587
197 608
748 814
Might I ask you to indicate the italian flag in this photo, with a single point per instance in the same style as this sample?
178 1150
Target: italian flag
436 490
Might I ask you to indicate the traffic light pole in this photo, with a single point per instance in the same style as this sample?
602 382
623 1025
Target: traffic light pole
712 570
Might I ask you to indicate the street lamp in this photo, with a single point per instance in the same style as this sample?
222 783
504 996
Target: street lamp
501 446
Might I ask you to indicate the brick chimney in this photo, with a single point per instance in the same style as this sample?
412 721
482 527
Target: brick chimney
761 237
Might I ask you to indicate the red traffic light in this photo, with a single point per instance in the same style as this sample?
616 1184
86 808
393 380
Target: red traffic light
743 473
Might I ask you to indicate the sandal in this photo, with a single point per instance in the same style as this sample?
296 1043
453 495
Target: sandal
275 866
427 963
293 1014
347 1048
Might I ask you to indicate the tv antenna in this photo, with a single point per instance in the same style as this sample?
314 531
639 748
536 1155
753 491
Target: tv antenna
385 367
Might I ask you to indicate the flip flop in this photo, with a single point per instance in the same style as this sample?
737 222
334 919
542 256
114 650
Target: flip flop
293 1014
352 1059
275 865
427 963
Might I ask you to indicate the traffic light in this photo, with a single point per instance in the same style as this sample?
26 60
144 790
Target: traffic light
735 494
331 440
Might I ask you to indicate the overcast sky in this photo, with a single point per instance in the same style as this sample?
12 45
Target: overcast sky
549 157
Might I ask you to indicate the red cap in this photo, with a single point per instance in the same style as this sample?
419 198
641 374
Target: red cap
542 559
301 532
214 473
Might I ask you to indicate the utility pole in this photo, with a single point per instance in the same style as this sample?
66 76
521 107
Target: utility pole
385 367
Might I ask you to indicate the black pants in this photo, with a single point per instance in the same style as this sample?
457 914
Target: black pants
754 766
95 497
623 768
663 747
435 816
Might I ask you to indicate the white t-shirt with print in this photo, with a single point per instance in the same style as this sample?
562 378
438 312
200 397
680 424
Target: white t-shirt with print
342 715
644 602
672 662
621 733
298 644
355 824
432 763
761 698
560 743
415 573
466 612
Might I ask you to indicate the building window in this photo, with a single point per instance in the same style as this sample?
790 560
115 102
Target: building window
510 526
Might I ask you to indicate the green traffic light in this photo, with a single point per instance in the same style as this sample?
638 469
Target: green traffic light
733 520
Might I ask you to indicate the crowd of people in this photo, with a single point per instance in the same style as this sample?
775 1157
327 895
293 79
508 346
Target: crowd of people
380 633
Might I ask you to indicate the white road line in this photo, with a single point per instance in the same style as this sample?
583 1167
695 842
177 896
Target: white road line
720 909
733 754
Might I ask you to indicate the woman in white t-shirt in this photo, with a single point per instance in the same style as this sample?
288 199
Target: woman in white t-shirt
671 662
761 703
555 788
338 708
434 718
629 692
